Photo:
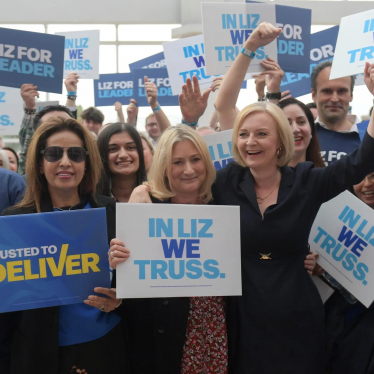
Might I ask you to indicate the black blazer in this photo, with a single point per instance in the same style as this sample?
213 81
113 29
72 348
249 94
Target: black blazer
34 333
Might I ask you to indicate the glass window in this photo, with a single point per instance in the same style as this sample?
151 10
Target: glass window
107 32
145 32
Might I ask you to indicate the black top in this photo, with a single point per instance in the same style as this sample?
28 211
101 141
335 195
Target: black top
276 326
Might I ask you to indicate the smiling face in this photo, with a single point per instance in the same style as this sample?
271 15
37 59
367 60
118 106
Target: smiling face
63 175
123 157
258 141
332 97
365 190
188 170
300 126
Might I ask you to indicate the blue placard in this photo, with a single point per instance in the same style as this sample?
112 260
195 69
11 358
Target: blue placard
294 42
51 259
110 88
156 61
322 49
31 57
160 78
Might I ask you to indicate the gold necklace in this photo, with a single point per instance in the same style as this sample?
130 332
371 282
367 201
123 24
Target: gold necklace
260 200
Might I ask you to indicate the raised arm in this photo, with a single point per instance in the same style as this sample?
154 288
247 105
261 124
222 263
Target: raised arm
369 81
71 84
228 93
151 92
132 113
192 102
118 109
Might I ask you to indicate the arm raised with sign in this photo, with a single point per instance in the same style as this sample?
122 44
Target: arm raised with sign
71 84
151 92
228 94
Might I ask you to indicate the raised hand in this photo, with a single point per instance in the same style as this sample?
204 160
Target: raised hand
28 93
71 82
369 77
132 112
191 101
263 35
273 75
151 92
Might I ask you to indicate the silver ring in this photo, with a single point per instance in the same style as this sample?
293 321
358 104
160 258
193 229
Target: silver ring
103 308
112 255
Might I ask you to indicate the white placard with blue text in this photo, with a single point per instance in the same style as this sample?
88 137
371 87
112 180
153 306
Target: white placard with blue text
82 53
219 145
226 26
355 45
11 110
179 250
343 236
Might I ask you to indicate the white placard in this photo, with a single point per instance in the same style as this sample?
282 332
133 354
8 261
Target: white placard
179 250
82 53
42 104
219 145
355 45
343 236
324 290
11 110
226 26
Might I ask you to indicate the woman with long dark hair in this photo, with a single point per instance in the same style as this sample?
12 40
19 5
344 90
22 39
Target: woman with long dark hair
121 152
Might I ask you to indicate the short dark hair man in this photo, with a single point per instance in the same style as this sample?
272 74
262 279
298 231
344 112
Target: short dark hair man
93 119
337 136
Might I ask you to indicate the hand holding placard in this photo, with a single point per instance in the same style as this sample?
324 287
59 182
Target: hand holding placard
117 253
369 77
151 92
28 93
263 35
71 82
191 102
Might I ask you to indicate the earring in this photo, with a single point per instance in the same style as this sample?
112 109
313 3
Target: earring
279 151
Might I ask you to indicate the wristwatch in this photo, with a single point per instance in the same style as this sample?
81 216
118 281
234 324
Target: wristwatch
29 111
274 96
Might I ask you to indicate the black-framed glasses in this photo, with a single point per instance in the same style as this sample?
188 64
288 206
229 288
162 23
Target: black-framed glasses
55 153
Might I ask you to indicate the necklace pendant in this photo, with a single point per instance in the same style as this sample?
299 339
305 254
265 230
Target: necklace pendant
260 200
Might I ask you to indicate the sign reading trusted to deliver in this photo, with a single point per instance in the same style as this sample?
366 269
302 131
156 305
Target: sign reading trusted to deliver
48 259
343 236
179 250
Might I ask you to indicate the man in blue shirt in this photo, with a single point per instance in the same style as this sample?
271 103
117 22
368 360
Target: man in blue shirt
337 135
12 188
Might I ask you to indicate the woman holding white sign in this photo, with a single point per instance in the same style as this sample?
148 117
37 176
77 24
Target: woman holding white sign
277 325
63 167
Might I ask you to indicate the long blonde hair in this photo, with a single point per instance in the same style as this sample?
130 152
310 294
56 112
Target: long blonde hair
37 184
283 129
160 171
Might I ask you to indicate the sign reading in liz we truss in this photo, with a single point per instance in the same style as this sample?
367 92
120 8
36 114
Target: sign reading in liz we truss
355 45
82 53
11 110
110 88
179 250
219 145
161 79
343 236
31 57
48 259
227 26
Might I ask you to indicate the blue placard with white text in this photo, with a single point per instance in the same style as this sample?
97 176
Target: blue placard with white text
295 40
52 259
110 88
322 49
160 78
156 61
31 57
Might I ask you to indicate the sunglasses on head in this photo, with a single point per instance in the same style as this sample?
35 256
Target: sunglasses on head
55 153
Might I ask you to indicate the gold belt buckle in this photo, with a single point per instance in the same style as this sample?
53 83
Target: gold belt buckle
265 257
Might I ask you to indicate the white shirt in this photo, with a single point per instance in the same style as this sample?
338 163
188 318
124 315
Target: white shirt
352 129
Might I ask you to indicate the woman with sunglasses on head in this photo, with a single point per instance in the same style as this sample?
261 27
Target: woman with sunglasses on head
121 152
63 167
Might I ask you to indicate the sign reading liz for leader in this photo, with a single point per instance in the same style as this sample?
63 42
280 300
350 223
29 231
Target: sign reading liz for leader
82 53
343 236
47 259
31 57
355 45
179 250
